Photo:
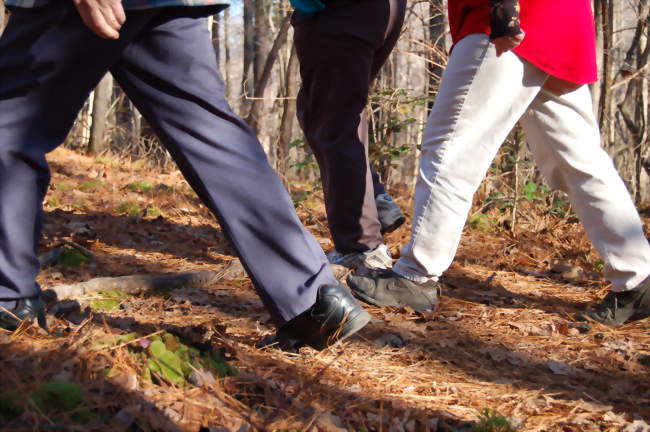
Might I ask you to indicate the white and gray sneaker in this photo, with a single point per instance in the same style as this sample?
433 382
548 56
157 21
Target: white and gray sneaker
375 259
390 215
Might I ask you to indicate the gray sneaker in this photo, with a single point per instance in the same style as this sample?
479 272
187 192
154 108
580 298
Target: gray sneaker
376 259
391 289
390 215
619 307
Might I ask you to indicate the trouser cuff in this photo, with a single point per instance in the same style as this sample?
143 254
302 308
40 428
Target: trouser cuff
418 279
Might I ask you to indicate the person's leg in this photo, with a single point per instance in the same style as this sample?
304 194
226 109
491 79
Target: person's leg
563 136
393 29
480 99
390 215
171 75
49 63
336 67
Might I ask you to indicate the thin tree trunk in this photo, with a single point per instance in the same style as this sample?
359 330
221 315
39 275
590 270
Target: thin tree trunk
226 52
249 50
605 105
288 117
2 16
596 87
634 107
101 105
256 108
260 41
437 46
216 37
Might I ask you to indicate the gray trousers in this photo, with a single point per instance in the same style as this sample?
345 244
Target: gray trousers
164 61
341 51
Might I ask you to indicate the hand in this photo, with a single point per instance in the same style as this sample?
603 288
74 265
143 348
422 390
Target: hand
507 43
104 17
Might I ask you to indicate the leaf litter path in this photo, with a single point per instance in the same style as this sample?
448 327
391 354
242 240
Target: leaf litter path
503 338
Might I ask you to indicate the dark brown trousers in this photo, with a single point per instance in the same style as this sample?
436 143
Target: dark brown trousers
341 51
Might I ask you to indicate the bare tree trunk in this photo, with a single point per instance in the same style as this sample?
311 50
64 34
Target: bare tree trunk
216 37
437 49
261 83
249 50
634 107
605 105
288 117
596 87
226 52
2 16
260 41
101 106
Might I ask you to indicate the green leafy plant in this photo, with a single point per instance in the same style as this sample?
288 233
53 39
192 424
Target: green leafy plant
165 359
108 161
214 360
62 186
90 185
129 207
299 197
53 202
71 257
480 221
166 363
114 340
534 192
140 186
309 161
559 207
173 361
110 300
62 397
152 212
491 421
10 409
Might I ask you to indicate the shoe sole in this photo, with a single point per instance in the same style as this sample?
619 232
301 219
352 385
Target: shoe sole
638 316
642 314
374 302
349 326
393 226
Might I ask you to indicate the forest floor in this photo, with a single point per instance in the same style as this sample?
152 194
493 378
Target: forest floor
501 353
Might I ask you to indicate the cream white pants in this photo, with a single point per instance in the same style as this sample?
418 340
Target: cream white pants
481 98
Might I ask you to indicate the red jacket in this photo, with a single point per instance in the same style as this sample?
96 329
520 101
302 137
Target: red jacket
560 34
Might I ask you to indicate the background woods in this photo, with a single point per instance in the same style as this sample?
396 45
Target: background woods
253 42
501 354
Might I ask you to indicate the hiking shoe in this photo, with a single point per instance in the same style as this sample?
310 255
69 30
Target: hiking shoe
26 309
390 215
619 307
391 289
335 316
376 259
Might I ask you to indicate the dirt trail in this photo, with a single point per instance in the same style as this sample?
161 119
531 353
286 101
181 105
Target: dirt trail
503 338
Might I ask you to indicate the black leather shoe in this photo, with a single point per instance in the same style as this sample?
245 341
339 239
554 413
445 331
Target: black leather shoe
336 315
391 289
26 309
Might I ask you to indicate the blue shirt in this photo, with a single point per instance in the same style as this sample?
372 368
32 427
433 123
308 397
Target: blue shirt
308 7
